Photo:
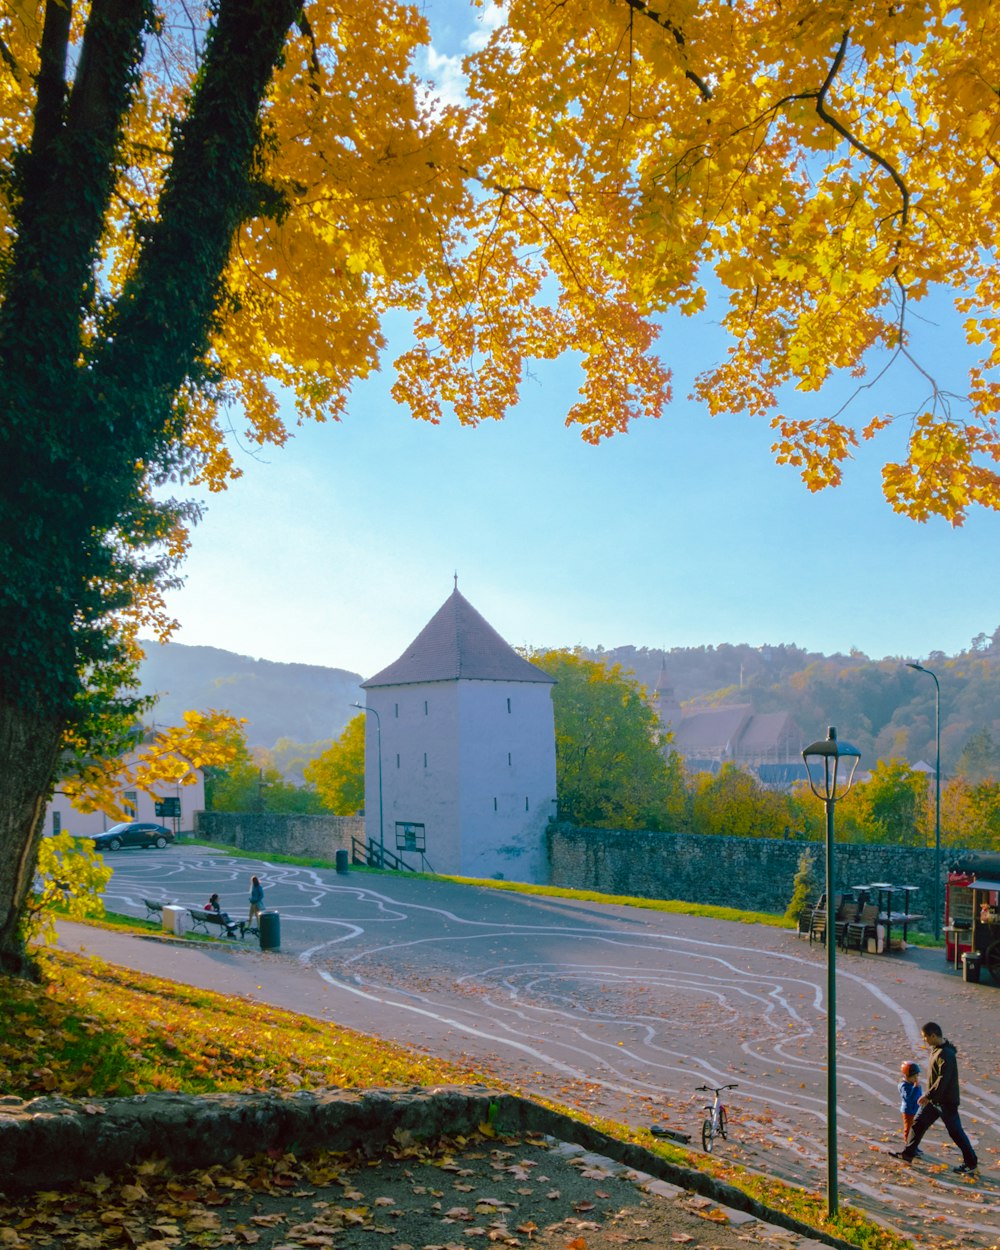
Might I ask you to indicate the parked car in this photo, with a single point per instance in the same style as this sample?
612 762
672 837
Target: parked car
132 833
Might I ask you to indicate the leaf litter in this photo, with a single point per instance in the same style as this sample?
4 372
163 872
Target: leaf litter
407 1197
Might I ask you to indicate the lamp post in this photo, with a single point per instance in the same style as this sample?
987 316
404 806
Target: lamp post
378 740
936 896
827 782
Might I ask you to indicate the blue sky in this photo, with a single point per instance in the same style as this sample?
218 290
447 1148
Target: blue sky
337 549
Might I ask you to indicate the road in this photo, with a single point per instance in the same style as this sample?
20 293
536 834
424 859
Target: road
620 1011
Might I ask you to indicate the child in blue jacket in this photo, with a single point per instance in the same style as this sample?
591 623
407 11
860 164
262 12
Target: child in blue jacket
910 1091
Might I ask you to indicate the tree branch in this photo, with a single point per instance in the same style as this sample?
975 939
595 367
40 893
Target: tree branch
661 20
65 186
161 332
51 97
856 143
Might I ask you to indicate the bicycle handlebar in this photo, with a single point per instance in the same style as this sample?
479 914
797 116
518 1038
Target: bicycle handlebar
717 1089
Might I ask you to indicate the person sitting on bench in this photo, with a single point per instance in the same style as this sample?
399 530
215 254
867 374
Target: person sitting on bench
214 905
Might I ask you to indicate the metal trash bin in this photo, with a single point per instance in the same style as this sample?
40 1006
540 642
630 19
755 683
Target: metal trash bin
972 965
269 930
342 862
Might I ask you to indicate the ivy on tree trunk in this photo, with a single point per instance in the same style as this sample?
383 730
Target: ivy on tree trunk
91 385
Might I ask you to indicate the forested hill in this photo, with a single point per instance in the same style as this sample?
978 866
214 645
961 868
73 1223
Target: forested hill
306 702
882 706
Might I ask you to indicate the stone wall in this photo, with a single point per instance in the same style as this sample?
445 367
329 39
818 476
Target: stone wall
265 833
51 1143
752 874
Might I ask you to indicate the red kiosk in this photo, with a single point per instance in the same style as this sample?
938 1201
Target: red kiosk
972 907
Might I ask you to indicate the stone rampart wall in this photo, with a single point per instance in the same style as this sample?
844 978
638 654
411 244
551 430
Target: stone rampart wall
267 832
752 874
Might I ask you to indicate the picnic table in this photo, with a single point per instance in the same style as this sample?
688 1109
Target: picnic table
888 918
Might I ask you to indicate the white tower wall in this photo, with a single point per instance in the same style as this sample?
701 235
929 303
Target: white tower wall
473 762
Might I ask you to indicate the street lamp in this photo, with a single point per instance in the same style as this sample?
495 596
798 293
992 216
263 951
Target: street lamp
937 797
378 739
827 781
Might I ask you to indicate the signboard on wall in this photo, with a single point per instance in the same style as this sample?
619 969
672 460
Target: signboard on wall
410 836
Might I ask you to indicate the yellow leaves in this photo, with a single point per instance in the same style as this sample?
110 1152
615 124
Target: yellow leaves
69 875
597 168
204 739
941 476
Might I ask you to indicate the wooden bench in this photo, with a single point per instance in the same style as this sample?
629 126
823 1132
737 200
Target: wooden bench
154 910
205 921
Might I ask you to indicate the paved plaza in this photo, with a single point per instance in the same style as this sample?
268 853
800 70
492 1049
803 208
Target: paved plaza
616 1010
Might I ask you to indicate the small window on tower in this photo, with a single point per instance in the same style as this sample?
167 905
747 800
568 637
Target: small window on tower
508 706
397 761
396 706
425 707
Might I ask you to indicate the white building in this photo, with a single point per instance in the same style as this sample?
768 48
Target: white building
467 783
138 805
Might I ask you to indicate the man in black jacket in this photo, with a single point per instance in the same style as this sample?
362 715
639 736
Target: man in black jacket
940 1102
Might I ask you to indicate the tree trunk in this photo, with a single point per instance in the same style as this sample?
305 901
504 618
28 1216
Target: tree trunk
29 751
73 490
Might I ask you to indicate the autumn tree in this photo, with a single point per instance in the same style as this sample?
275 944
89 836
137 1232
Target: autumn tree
980 758
291 758
970 813
890 808
199 207
804 886
339 773
245 783
612 768
735 803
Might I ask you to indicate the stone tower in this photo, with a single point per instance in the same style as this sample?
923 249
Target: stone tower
468 768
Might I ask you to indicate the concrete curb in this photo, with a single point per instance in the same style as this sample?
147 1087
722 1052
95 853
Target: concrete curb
50 1142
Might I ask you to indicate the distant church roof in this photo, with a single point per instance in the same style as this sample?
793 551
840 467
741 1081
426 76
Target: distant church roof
457 643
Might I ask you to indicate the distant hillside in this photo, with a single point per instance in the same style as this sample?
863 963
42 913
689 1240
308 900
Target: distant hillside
695 673
882 706
305 702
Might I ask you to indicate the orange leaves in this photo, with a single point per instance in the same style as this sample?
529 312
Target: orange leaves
817 447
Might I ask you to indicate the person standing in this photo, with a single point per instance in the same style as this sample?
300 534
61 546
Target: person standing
910 1091
256 900
940 1103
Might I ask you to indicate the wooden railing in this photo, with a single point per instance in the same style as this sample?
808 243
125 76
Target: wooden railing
374 855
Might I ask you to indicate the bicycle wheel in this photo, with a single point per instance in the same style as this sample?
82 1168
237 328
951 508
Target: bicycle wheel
707 1135
723 1123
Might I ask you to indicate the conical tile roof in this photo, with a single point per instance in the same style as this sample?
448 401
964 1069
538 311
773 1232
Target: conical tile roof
457 643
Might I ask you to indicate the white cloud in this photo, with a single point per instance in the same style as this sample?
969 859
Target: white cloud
489 18
442 71
445 76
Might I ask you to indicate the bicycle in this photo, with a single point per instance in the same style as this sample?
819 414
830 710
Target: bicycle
716 1121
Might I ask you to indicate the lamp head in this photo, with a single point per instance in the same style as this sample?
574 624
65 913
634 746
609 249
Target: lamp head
827 780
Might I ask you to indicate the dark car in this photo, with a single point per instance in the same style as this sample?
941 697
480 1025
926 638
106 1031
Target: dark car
132 833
